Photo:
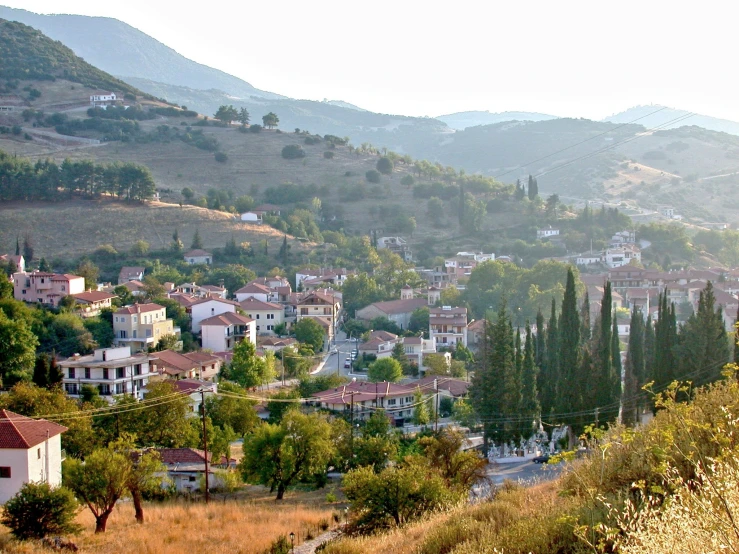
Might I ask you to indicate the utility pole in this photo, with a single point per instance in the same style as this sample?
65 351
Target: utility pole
205 443
351 442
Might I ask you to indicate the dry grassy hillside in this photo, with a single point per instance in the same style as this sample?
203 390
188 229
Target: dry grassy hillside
78 227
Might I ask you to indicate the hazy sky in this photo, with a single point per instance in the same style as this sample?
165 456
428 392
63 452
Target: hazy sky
570 58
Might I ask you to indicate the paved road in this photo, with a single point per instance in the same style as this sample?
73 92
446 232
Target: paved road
524 472
339 354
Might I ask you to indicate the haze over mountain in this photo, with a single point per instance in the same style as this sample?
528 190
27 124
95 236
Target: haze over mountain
671 118
462 120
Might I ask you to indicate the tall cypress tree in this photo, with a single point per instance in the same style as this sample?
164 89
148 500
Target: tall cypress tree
616 369
491 391
550 367
585 319
533 188
604 371
529 397
569 390
665 340
541 341
703 342
649 346
634 370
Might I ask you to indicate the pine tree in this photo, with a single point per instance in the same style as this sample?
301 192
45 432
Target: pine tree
197 242
43 265
520 193
529 395
634 370
569 390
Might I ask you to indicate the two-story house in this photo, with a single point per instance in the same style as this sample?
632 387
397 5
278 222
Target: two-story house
448 325
141 326
113 371
324 306
30 452
416 349
45 288
130 273
222 332
379 343
209 307
191 365
266 315
257 291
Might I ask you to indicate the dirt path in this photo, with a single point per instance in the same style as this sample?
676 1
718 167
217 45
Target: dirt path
309 547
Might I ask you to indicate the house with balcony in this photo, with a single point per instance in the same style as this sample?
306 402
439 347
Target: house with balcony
461 265
267 315
546 233
398 245
416 348
30 452
324 306
113 371
141 326
45 288
322 276
191 365
379 343
448 325
222 332
92 303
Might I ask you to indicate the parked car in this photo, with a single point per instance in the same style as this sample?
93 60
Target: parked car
543 459
347 363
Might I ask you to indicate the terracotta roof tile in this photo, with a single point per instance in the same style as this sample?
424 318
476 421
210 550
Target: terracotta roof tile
17 431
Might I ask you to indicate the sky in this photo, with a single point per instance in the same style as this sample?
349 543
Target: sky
569 58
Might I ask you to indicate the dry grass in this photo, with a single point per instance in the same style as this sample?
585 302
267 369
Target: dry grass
78 227
221 527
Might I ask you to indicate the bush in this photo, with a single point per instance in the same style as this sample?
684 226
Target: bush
373 176
328 155
280 546
37 510
221 157
255 128
293 151
385 165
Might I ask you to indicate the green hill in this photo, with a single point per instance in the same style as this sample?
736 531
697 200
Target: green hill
27 54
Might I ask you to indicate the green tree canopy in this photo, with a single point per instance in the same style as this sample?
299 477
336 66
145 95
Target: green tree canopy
309 332
385 369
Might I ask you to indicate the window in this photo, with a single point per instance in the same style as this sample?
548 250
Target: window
120 373
116 319
270 327
137 369
123 335
257 316
123 319
71 373
270 316
87 373
119 388
135 319
191 478
4 472
391 401
38 453
105 373
64 288
257 327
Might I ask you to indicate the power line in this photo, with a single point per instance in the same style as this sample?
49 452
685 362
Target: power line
578 143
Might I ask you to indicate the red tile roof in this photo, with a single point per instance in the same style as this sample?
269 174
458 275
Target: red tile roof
94 296
252 303
400 306
215 299
226 319
17 431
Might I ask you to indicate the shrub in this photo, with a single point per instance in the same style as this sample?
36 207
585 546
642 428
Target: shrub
373 176
293 151
255 128
328 155
221 156
37 510
385 165
280 546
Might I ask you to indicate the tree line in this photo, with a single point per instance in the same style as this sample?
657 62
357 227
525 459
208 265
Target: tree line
45 180
569 370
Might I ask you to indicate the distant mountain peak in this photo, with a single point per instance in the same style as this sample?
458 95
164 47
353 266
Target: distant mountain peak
463 120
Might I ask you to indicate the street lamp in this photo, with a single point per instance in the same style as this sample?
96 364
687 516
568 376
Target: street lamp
292 542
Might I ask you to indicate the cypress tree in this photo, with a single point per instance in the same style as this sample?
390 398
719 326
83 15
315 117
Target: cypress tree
533 188
648 350
491 391
17 246
704 343
585 319
540 350
550 367
634 370
665 343
197 242
519 350
616 368
569 390
41 371
529 396
604 374
461 206
55 373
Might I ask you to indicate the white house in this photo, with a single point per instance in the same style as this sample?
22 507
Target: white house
266 314
546 232
220 333
30 452
257 291
209 307
102 98
588 259
380 344
113 371
251 217
198 257
448 325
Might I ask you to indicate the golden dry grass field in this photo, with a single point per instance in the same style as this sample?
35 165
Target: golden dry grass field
245 526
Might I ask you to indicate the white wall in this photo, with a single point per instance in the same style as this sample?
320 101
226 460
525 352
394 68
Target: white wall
25 466
214 338
199 312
